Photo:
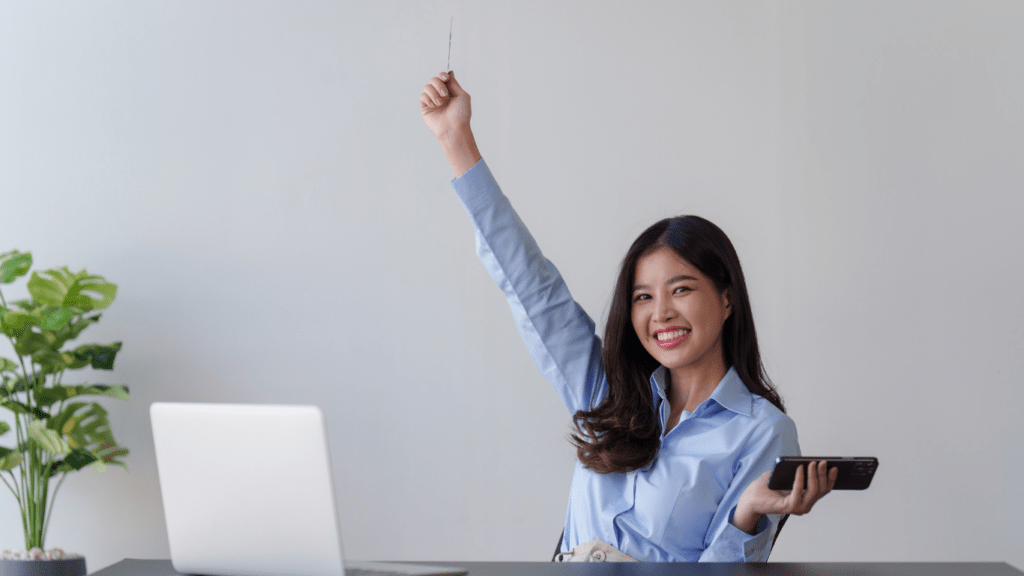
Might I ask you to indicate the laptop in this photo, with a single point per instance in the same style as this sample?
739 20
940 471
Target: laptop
247 489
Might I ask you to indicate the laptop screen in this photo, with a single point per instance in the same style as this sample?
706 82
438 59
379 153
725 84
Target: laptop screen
247 489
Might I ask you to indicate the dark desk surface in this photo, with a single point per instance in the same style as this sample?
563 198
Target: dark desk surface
163 568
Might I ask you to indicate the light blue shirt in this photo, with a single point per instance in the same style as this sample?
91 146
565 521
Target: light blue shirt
679 507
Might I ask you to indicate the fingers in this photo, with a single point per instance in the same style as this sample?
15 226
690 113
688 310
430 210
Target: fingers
800 494
435 93
812 480
438 85
797 493
823 486
820 481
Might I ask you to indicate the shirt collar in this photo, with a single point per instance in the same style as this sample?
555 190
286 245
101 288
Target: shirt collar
731 393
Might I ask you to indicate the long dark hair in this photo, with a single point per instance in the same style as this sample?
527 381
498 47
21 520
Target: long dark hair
623 432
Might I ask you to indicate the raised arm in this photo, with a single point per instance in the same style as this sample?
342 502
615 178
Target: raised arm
557 332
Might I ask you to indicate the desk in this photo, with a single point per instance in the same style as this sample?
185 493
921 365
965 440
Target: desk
163 568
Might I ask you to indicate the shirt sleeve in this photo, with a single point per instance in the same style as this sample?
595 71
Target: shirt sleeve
557 332
727 543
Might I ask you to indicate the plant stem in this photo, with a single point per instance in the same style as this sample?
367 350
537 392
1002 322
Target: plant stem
11 488
49 507
39 533
30 465
22 437
23 487
24 527
33 463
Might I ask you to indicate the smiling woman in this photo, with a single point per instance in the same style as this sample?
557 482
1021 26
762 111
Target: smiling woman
677 426
680 302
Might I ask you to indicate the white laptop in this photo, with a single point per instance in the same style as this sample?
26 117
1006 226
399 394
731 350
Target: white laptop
247 489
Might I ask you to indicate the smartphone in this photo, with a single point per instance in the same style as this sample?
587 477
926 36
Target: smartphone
854 473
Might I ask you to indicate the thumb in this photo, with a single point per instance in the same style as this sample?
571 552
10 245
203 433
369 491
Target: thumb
453 85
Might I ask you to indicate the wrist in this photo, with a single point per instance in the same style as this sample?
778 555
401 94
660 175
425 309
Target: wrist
745 519
460 149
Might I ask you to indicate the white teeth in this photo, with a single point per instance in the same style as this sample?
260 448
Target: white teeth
666 336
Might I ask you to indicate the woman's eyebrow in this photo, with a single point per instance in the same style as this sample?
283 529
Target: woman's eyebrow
673 280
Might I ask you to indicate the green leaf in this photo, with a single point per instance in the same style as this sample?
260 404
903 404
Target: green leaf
90 293
88 430
15 322
70 331
47 439
12 386
81 290
50 362
76 327
47 396
20 408
26 305
55 318
101 357
8 366
111 456
51 288
76 460
9 459
14 264
59 420
30 343
4 427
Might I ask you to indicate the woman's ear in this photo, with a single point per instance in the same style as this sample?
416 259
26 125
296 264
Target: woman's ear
727 301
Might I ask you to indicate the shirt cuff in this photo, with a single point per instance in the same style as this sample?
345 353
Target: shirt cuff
473 173
477 188
755 547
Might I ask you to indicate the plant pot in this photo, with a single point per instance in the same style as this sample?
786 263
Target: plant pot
62 567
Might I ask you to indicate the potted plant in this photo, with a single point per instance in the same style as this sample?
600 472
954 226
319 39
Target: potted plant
55 433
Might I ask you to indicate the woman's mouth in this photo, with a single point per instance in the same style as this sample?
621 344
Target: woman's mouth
671 338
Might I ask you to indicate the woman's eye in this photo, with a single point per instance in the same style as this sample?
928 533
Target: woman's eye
640 297
682 289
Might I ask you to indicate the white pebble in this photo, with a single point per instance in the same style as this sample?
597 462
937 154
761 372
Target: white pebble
38 554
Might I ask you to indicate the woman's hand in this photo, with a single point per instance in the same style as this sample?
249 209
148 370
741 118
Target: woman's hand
758 499
446 110
445 105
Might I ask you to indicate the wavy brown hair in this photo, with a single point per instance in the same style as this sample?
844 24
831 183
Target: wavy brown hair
623 432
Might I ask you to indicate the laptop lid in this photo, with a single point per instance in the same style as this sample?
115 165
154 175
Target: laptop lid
247 489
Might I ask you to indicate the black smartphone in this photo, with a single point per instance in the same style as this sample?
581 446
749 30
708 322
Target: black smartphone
855 473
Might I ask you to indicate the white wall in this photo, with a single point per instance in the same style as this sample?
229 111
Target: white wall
257 180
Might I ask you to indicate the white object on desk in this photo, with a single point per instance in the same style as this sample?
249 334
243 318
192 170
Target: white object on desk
248 489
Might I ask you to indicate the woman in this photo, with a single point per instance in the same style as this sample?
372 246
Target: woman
677 427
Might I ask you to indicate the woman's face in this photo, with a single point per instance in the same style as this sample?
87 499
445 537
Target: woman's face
677 313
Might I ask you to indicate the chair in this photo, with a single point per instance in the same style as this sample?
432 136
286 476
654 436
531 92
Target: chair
558 547
778 531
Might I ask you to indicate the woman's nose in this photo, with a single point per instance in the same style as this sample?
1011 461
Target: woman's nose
664 311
